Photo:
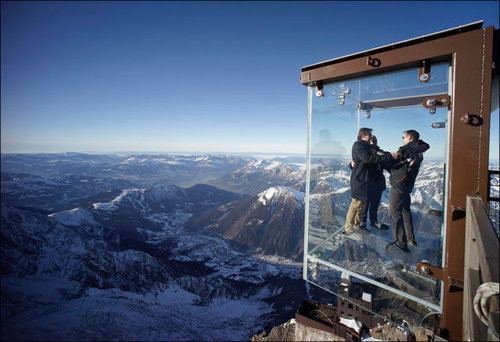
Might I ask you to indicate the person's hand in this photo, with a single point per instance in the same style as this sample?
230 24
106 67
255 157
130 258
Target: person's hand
352 163
395 155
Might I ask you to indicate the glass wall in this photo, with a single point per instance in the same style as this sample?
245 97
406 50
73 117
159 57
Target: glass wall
389 104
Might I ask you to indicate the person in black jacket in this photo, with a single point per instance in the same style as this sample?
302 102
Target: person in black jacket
361 159
402 178
376 185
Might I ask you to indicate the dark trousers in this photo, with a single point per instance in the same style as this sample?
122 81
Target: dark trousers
402 223
374 196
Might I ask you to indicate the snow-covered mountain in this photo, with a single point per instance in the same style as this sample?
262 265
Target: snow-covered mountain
60 281
261 174
36 245
271 222
107 283
107 172
54 182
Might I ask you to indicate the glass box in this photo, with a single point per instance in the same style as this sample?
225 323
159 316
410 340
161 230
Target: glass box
364 268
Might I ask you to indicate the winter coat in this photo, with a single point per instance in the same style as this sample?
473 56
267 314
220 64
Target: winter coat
376 178
404 172
363 160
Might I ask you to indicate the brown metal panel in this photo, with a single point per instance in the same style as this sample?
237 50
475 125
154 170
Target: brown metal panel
434 51
399 45
468 158
469 145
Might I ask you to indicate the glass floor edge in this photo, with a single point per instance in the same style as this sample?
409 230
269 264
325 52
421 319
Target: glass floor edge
374 282
387 319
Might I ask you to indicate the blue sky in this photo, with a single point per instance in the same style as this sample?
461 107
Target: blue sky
186 76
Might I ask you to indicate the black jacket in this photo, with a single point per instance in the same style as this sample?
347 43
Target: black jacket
404 171
363 160
376 178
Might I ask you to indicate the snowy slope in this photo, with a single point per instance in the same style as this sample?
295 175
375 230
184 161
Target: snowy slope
63 312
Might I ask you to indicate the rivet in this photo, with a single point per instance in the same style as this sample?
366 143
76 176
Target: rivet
425 269
424 77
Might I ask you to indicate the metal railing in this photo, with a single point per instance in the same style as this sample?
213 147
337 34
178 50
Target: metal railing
481 275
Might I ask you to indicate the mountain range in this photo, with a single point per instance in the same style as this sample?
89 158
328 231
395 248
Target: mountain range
91 252
161 247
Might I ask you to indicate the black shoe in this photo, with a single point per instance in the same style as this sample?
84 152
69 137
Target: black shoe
401 248
346 233
380 225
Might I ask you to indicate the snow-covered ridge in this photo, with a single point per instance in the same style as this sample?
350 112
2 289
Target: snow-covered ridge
272 194
74 217
125 194
273 166
151 160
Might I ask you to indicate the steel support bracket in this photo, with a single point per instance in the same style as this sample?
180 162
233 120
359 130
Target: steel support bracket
424 71
436 101
319 89
455 285
431 270
452 285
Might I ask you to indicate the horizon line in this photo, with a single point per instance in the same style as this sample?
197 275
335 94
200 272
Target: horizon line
160 152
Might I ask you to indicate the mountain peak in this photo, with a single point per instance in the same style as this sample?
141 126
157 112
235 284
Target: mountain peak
267 196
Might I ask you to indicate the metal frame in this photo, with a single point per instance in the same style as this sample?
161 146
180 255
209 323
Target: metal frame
470 50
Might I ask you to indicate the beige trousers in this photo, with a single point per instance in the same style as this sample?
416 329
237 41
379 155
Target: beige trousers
353 218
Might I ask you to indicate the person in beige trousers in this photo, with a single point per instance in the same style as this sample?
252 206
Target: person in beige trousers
361 158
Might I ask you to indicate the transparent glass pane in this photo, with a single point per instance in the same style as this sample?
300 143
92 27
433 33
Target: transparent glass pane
389 104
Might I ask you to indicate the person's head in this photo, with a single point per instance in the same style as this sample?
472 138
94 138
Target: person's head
409 136
373 140
364 134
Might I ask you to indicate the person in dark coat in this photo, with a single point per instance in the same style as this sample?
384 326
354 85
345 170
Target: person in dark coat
361 159
402 178
376 185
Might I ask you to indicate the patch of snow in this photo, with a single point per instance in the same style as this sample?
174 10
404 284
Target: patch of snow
112 205
104 206
273 165
342 190
267 196
351 323
74 217
369 338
